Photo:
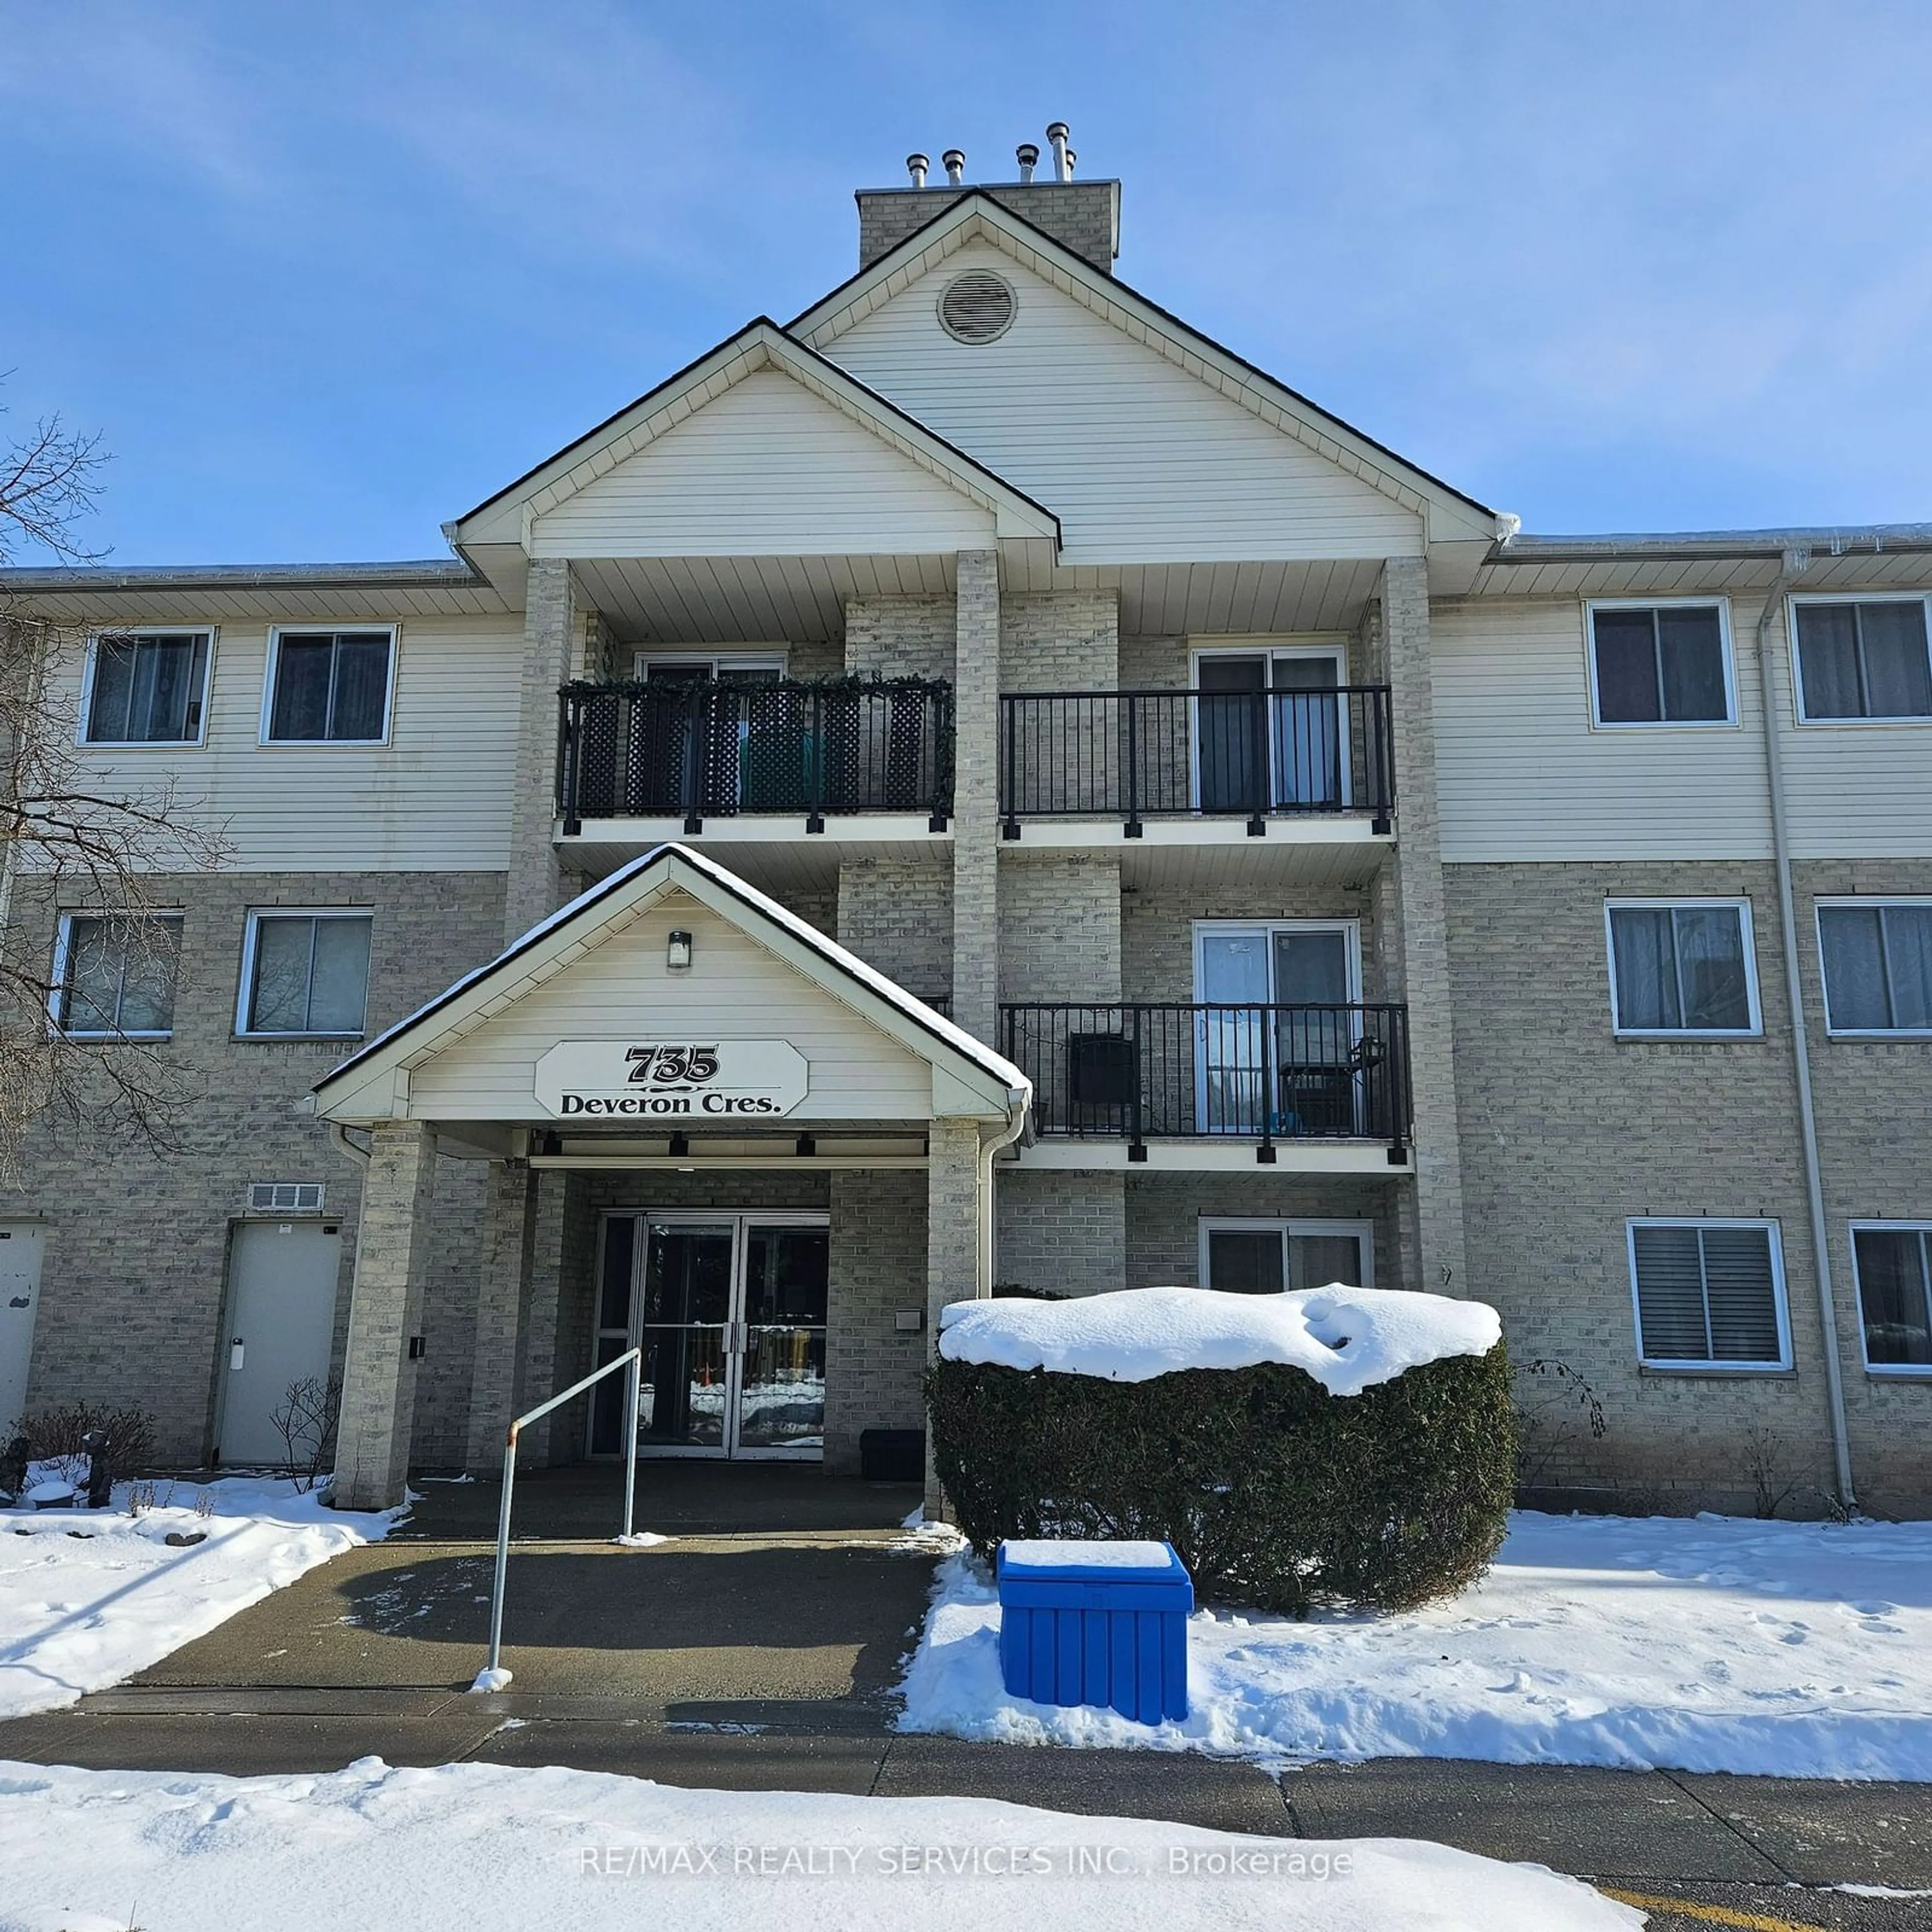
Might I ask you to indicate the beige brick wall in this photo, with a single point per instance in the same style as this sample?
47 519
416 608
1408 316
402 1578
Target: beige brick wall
1164 1213
872 1367
1064 1233
1060 926
897 915
1060 640
899 637
1567 1131
135 1269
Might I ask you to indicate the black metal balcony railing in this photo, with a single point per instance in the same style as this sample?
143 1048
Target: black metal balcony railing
698 747
1137 755
1145 1072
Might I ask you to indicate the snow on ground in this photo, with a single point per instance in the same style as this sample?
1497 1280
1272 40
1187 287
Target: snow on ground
89 1597
1802 1650
1348 1339
491 1846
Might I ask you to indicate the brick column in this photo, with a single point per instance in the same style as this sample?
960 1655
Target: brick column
958 1267
1417 938
379 1381
536 887
976 826
543 1313
503 1271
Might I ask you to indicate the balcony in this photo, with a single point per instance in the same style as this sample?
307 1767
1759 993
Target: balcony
1308 771
1322 1088
746 767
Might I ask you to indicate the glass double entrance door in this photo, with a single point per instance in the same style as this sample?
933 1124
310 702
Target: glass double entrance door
730 1311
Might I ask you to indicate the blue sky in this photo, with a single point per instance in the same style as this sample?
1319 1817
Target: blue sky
324 276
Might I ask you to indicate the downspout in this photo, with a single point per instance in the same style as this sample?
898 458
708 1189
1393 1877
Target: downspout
339 1134
1016 1125
1792 566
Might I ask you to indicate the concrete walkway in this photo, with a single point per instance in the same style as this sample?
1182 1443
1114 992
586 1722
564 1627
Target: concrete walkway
757 1650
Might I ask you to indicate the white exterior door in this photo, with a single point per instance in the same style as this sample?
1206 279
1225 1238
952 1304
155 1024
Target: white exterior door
20 1245
282 1278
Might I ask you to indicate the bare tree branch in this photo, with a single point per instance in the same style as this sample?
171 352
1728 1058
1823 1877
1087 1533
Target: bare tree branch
72 839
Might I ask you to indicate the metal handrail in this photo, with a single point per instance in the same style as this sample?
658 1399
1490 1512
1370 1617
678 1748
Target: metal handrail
635 1358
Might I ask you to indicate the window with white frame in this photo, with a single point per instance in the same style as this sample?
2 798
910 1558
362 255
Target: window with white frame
1244 1255
1660 664
1709 1294
1877 964
726 668
114 979
1682 966
1893 1263
1864 657
305 972
328 687
146 687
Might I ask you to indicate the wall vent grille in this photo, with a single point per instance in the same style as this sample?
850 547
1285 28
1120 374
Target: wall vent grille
976 306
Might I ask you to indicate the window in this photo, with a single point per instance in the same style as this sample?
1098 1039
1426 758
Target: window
146 689
1709 1294
1663 663
1264 1257
328 687
1682 967
305 973
1865 658
733 667
1877 963
114 979
1271 729
1894 1266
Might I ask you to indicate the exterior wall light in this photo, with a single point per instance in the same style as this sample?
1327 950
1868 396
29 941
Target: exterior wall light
677 954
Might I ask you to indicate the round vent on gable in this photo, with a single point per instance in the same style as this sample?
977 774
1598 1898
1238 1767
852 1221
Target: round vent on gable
976 306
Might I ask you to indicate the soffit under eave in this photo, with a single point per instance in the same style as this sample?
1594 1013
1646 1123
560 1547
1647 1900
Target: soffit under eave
1445 516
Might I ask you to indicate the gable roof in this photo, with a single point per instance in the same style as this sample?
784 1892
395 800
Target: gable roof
506 517
1449 514
553 945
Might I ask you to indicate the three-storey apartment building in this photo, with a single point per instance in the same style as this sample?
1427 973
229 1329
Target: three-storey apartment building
980 785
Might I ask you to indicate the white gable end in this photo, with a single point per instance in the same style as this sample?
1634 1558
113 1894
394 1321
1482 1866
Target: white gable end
765 469
1142 462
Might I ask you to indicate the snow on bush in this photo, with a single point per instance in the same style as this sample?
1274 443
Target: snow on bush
1348 1339
1345 1446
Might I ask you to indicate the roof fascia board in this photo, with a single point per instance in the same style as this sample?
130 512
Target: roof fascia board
1446 511
610 908
1874 539
762 344
421 573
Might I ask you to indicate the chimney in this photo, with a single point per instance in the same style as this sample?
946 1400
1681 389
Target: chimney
1083 216
1062 155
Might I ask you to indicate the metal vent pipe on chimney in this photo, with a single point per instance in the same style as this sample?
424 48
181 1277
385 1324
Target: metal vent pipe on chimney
917 165
954 162
1062 155
1029 159
1071 158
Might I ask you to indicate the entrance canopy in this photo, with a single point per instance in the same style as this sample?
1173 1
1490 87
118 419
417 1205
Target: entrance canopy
673 1003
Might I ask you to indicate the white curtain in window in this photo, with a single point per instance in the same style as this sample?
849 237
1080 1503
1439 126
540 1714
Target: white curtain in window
1908 957
1898 681
339 990
1646 968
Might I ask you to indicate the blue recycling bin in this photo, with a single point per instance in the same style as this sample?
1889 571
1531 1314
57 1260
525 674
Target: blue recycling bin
1103 1624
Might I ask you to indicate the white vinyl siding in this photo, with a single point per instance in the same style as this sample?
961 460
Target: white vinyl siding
767 469
1891 1262
305 973
1862 660
146 687
1524 774
1142 461
622 989
1709 1294
114 979
1681 968
436 798
1875 957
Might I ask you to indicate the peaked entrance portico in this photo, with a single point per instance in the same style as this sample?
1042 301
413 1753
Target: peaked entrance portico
672 1051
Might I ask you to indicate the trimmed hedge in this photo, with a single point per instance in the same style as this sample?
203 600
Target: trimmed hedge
1275 1493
